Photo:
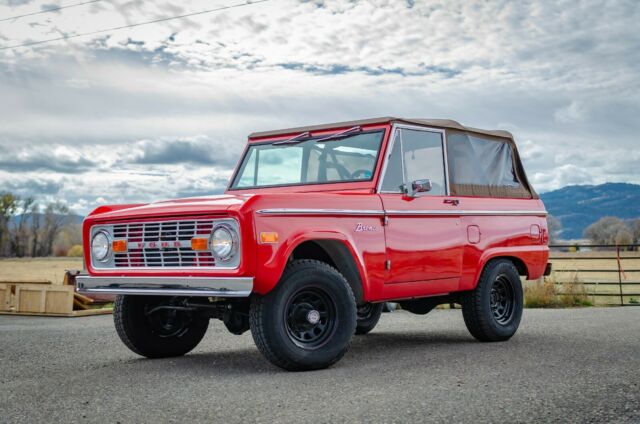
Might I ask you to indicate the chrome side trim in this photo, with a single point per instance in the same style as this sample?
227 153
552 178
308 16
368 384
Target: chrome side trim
353 212
344 212
469 212
167 286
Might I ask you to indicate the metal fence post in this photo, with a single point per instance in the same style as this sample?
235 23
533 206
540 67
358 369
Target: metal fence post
619 274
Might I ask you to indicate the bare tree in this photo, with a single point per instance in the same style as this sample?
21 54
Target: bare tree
554 226
35 228
635 229
18 234
609 230
56 216
8 205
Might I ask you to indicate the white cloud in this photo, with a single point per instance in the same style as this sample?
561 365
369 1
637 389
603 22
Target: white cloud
562 76
575 112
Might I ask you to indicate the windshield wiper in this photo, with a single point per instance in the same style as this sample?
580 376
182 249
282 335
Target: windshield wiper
293 140
341 134
305 135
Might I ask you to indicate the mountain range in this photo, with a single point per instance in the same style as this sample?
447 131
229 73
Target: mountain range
579 206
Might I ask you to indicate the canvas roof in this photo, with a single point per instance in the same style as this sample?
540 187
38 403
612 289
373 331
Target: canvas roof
435 123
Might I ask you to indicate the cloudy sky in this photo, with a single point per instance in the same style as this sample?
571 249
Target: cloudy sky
163 110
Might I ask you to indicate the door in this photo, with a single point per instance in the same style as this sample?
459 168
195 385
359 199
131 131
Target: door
424 240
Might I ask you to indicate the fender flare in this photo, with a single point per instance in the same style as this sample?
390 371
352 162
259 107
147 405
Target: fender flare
360 287
514 253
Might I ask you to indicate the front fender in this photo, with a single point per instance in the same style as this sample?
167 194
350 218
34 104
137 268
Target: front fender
273 258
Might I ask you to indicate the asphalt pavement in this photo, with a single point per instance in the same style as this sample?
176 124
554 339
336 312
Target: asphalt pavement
578 365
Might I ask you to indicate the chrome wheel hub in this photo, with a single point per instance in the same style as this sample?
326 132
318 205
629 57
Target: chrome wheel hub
313 317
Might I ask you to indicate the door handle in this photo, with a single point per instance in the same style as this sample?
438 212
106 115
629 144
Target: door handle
452 202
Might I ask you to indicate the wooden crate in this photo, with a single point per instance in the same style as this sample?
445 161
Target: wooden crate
23 298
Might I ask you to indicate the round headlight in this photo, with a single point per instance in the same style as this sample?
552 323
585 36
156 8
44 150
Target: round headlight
223 242
100 246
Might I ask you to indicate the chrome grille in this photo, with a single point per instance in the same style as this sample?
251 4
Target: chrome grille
162 244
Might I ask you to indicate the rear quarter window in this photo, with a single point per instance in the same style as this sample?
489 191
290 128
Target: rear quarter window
474 160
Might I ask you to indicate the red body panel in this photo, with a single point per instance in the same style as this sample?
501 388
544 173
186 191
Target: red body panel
430 247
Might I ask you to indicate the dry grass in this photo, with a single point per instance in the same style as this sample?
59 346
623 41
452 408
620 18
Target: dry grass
539 294
546 293
51 269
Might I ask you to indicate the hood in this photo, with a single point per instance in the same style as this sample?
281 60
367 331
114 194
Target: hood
188 206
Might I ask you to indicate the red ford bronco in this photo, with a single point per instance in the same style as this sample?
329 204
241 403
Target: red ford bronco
320 226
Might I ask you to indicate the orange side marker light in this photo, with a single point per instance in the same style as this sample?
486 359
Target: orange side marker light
268 237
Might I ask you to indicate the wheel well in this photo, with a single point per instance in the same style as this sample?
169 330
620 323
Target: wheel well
336 254
517 262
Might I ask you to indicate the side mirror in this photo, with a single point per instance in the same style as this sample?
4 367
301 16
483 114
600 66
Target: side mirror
417 186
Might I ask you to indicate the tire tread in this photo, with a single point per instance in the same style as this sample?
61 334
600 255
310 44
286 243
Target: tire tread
258 310
472 307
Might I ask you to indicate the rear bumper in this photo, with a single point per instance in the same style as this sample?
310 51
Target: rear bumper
166 286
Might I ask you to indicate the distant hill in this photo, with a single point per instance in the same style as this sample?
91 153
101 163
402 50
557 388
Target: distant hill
579 206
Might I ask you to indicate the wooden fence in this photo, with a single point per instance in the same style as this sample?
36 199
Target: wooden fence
609 274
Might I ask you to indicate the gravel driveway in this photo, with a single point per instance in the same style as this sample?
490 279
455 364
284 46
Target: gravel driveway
580 365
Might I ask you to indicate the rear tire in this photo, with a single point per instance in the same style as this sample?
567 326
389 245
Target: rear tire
164 333
493 310
368 317
308 320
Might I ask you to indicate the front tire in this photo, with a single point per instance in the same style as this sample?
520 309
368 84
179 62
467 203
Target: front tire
368 317
308 320
160 334
492 311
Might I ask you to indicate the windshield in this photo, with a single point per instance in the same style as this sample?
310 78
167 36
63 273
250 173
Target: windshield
347 159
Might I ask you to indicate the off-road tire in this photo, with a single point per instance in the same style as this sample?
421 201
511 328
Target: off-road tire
479 316
271 317
138 334
368 320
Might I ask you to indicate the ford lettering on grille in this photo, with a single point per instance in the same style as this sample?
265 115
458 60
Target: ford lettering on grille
163 244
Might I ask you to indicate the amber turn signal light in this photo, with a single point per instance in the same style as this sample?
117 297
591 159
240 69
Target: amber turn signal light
119 245
199 243
268 237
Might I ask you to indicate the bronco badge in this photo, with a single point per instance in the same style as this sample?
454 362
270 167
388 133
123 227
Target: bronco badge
361 227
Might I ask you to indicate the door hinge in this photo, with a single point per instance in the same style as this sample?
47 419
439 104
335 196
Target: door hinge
387 264
385 220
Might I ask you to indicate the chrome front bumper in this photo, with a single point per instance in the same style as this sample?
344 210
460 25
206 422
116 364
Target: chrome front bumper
166 286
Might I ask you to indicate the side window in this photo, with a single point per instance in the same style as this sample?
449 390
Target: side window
423 158
392 179
494 170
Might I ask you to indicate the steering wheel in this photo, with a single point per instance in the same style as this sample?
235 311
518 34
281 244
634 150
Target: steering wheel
356 174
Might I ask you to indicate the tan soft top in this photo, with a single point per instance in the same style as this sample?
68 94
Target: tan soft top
436 123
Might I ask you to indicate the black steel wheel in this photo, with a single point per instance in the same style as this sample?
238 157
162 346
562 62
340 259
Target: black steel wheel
308 320
493 310
310 317
157 326
368 317
502 299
